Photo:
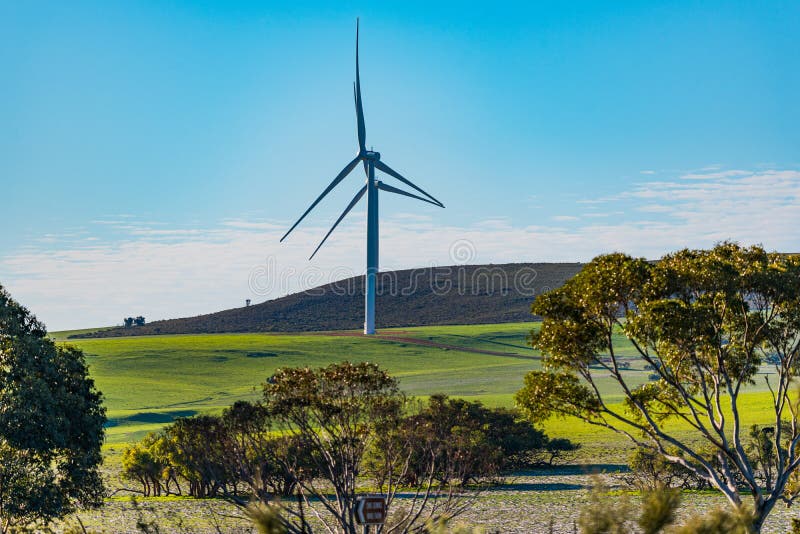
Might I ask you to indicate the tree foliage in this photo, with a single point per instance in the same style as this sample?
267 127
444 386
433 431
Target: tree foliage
319 435
459 441
51 424
212 456
704 320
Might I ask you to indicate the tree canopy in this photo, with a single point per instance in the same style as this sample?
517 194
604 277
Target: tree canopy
320 436
51 424
704 322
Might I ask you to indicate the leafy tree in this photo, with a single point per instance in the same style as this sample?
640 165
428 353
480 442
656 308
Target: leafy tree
446 450
194 448
270 464
140 463
464 441
704 320
342 414
212 456
150 462
334 412
51 424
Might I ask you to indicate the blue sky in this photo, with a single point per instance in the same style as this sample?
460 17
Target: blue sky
150 152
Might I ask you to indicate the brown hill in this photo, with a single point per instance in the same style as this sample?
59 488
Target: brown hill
468 294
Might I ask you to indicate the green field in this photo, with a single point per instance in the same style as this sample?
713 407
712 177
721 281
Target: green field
149 381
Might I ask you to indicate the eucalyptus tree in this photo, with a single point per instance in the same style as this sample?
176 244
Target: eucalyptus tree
704 322
51 424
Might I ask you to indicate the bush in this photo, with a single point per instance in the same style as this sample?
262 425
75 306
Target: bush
720 521
616 515
650 470
466 441
604 515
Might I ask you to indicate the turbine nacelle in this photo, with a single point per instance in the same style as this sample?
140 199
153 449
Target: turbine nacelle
370 155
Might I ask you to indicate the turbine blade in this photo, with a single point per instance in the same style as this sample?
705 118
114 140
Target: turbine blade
362 129
342 216
361 147
385 187
350 166
391 172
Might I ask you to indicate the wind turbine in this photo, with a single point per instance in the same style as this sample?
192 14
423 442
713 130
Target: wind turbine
371 161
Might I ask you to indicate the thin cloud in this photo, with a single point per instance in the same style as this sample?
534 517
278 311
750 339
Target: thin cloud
654 208
167 272
713 175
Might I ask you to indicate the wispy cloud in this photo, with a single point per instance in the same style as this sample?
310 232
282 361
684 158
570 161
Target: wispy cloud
706 175
160 271
654 208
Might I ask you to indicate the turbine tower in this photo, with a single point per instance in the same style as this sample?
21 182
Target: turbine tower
371 160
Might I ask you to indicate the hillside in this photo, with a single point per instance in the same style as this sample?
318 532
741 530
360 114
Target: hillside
470 294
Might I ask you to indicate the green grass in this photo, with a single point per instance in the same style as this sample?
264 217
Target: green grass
600 445
149 381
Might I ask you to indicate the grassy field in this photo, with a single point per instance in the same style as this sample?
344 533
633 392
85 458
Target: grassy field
149 381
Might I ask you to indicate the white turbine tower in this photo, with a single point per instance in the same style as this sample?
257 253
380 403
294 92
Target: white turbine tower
371 160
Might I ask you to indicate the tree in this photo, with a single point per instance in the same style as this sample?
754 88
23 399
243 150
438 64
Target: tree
150 462
51 424
463 441
704 321
351 420
448 451
129 322
268 463
139 463
194 448
333 413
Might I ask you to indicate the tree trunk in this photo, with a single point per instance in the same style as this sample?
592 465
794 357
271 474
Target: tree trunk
761 514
